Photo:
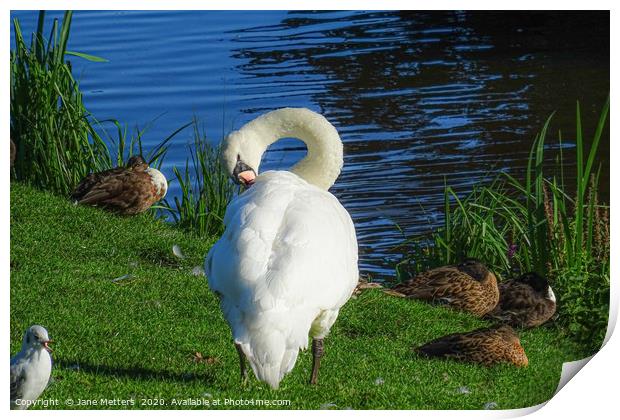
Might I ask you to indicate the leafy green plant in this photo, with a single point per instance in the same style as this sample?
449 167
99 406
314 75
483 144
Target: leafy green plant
534 225
57 140
56 144
206 190
129 145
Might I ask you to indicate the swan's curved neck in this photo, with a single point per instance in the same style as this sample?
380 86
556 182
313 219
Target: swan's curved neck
323 162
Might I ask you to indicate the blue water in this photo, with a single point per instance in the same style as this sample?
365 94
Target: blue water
416 96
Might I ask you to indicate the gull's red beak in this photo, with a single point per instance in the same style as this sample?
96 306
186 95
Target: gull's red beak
46 345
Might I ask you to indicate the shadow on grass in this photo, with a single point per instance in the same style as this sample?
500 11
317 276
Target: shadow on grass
139 373
159 257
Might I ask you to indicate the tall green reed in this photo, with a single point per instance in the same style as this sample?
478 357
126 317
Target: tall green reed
205 188
58 141
564 232
56 144
127 145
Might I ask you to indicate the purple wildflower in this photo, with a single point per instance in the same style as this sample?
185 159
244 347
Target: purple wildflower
512 249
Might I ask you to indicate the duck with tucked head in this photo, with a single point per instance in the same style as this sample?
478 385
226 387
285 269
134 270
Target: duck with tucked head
469 286
485 346
527 301
287 261
126 190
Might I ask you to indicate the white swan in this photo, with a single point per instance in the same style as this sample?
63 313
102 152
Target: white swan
287 261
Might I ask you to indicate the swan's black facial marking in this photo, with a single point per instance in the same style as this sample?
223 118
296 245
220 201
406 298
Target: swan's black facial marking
241 167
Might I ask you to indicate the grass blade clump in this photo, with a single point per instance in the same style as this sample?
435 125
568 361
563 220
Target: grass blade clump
205 188
56 144
534 225
58 141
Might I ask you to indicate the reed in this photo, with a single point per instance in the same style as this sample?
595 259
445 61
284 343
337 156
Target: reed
205 188
57 140
534 225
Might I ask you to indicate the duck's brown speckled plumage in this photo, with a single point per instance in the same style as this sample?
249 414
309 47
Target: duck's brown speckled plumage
468 286
485 346
125 190
524 302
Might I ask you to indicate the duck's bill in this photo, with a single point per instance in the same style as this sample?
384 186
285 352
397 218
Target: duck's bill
247 178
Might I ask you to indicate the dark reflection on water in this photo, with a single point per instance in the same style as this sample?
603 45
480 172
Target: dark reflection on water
416 96
420 96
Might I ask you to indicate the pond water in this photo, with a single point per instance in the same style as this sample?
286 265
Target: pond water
416 96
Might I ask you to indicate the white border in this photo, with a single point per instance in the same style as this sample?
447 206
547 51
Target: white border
593 393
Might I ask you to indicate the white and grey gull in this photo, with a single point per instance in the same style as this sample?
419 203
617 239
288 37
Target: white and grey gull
31 368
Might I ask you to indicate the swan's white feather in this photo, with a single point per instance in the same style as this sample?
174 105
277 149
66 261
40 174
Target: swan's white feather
285 265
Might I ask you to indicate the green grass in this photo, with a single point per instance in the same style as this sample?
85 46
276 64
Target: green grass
134 337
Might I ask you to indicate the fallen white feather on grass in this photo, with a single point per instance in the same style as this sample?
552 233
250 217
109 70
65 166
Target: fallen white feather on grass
176 250
123 277
198 271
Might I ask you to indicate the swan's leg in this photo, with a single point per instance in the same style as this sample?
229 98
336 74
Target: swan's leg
317 353
242 365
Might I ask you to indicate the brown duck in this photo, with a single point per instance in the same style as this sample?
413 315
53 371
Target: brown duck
126 190
485 346
468 286
525 302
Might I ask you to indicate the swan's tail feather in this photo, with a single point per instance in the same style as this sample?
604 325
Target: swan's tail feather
270 356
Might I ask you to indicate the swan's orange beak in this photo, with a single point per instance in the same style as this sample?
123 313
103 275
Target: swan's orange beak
243 174
247 178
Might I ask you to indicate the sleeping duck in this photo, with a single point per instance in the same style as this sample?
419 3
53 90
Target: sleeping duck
526 302
485 346
468 286
127 190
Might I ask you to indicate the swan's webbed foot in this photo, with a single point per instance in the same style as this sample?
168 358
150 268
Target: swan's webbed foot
317 353
242 365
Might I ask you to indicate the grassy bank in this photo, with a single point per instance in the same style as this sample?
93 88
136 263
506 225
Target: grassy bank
135 337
